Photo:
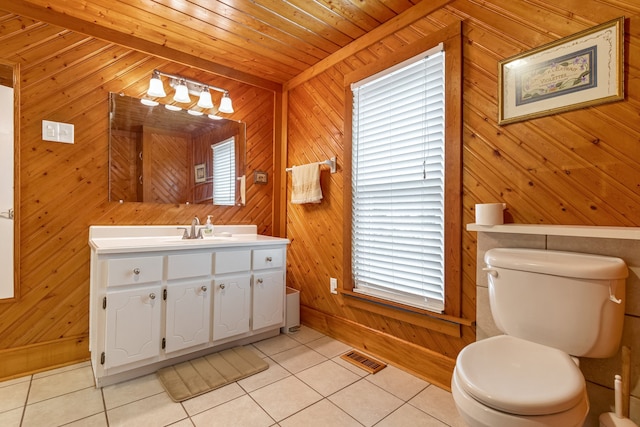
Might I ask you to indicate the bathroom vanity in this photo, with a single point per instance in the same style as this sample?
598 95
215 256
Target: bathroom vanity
157 299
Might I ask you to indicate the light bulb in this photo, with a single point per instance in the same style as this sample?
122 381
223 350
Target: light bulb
156 88
182 93
205 99
225 104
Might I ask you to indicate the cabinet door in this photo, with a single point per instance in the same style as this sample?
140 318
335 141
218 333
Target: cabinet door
188 314
268 299
133 325
231 306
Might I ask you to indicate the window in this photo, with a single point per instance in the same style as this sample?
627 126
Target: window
398 183
404 135
224 173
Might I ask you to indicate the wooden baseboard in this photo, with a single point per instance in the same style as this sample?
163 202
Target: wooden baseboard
21 361
422 362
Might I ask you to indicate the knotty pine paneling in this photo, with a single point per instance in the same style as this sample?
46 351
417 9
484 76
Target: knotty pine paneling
579 167
67 77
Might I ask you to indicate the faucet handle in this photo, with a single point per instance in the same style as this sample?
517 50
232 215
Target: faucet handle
185 234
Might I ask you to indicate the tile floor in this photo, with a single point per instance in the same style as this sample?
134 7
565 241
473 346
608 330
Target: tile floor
307 384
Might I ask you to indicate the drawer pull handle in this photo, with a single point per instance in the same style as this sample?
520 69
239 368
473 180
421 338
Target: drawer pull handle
136 271
204 289
221 285
260 281
152 296
269 259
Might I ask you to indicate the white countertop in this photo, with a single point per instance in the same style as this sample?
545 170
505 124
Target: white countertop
606 232
122 239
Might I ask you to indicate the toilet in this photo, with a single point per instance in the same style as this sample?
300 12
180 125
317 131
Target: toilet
552 307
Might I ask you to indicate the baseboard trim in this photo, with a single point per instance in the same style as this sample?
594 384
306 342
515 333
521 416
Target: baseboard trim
429 365
33 358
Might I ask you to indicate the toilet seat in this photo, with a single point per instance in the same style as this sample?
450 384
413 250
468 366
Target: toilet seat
519 377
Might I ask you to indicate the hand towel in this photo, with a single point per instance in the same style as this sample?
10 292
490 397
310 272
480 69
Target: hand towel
305 181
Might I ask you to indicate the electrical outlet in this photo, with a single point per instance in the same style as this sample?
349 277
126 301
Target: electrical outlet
333 285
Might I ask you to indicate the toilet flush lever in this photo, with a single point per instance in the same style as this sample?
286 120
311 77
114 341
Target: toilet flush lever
491 272
612 297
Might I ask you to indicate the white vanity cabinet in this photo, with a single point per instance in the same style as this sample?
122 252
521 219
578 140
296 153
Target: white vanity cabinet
188 301
132 325
268 288
232 293
131 309
156 301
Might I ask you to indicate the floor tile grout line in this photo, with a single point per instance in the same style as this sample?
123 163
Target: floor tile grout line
104 406
26 399
57 395
315 403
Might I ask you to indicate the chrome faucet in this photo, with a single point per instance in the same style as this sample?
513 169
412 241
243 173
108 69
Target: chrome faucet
196 233
194 222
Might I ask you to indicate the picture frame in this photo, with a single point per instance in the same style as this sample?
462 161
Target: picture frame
577 71
260 177
200 172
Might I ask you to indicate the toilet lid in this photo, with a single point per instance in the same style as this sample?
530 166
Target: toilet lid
519 377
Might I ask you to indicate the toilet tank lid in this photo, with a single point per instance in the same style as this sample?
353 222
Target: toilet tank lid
558 263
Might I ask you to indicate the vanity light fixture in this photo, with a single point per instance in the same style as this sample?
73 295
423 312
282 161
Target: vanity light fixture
182 92
149 102
195 113
184 87
205 98
156 89
225 104
172 107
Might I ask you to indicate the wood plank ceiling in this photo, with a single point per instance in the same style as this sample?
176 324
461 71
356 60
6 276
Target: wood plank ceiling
262 42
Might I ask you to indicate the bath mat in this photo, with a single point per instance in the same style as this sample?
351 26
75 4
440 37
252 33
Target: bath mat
194 377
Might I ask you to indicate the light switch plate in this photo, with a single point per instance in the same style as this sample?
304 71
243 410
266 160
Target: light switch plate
57 132
65 133
49 130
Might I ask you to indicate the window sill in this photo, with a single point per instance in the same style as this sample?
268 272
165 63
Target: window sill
448 325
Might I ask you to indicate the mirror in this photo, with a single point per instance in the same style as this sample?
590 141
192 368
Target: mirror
161 156
8 178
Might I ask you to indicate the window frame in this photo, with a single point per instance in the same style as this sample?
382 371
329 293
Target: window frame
452 43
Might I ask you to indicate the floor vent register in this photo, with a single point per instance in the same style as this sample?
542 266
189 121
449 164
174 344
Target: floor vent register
364 362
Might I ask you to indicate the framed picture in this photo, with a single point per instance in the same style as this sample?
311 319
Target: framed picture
201 172
260 177
578 71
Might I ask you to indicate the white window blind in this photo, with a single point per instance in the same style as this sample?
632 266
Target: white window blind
224 173
398 183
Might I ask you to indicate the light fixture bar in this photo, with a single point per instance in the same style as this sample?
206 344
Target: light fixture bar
193 82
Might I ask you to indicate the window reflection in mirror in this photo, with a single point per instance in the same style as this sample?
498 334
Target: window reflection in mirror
161 156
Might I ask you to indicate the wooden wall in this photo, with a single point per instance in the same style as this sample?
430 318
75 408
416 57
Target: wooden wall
575 168
580 167
67 77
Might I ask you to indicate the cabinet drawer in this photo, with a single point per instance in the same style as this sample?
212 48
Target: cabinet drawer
188 265
231 261
129 271
267 258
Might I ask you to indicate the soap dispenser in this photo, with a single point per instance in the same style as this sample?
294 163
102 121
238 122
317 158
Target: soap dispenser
208 230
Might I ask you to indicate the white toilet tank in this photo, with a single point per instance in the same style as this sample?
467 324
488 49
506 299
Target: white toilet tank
570 301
